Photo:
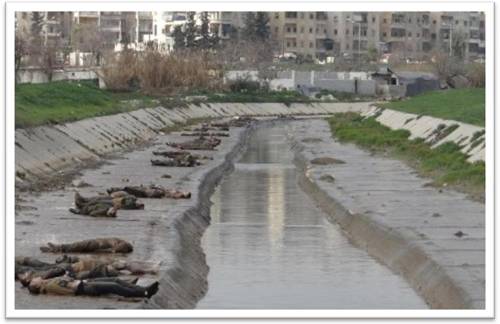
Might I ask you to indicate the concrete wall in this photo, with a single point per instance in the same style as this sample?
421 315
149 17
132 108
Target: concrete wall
35 75
46 149
427 127
43 150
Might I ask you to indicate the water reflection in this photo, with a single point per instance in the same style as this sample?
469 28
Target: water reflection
269 247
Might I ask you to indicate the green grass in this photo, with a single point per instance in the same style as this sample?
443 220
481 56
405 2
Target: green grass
465 105
445 165
57 102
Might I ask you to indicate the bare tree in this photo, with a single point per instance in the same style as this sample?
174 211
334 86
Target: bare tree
88 38
21 50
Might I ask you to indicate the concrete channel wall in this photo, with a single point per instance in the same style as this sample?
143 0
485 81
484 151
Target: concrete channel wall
435 131
43 150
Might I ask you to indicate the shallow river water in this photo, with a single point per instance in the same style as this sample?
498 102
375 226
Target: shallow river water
269 246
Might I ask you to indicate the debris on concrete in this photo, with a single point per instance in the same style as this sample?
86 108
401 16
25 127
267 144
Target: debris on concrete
326 161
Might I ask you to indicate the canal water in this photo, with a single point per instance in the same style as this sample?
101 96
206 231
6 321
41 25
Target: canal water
269 246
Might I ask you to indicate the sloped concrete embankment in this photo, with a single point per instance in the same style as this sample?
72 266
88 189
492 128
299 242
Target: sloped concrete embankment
435 131
44 150
448 272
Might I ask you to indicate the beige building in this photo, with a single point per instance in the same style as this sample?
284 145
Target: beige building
411 35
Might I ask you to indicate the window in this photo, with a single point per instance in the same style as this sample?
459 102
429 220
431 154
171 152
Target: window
385 20
409 20
384 34
347 46
276 30
418 20
302 15
277 15
433 36
311 16
418 35
465 23
335 32
310 45
324 30
433 22
310 30
409 34
373 19
456 22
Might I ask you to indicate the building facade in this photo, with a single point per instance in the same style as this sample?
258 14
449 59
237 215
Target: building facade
410 35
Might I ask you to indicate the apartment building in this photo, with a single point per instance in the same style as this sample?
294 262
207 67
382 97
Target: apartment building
222 23
56 26
410 35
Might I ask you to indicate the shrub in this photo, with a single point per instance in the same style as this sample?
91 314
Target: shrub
244 85
476 74
119 70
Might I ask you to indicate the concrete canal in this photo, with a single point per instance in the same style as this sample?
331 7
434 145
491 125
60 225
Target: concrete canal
269 246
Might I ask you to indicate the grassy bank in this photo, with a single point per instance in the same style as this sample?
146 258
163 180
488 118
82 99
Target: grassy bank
465 105
445 165
58 102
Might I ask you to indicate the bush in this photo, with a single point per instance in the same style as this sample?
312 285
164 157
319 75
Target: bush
182 71
119 70
244 85
476 74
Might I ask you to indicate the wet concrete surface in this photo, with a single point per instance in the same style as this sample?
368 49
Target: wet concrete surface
390 194
269 247
44 217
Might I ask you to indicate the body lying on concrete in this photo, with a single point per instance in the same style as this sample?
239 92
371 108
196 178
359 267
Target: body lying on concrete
99 245
68 286
151 191
176 159
104 206
201 143
81 268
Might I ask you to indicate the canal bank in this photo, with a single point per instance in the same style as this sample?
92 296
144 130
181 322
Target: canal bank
269 247
434 238
168 230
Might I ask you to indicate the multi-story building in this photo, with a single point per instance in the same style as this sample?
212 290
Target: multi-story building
55 28
221 23
411 35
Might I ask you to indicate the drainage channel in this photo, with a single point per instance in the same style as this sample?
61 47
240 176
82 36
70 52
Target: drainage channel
269 247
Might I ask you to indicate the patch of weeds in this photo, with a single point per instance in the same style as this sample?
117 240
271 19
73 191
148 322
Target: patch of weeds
442 131
445 164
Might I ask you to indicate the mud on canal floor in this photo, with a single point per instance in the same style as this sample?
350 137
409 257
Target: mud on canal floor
269 247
